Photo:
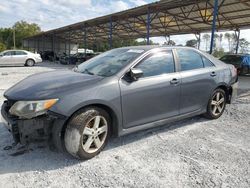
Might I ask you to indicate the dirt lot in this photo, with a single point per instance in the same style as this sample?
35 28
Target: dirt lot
190 153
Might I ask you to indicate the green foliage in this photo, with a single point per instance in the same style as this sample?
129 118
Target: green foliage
244 44
170 43
218 53
230 39
6 37
2 47
191 43
22 30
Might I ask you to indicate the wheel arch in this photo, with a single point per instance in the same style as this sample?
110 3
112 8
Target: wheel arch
30 58
228 90
113 115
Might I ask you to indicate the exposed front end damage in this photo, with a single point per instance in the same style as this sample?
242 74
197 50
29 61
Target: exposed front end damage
46 127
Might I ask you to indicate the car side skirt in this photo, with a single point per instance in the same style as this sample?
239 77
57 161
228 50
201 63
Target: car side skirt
160 122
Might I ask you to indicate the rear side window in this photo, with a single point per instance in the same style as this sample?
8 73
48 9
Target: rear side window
189 59
20 53
157 64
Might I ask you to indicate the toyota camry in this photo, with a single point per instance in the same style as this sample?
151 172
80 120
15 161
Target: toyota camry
116 93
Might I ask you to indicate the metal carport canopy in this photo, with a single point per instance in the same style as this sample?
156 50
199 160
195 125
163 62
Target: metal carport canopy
162 18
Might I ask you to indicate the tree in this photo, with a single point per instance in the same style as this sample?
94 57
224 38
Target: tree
216 37
191 43
170 42
244 44
206 37
231 38
22 30
6 37
228 37
220 40
2 47
104 45
218 53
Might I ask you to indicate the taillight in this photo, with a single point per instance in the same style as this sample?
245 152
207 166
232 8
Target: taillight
234 71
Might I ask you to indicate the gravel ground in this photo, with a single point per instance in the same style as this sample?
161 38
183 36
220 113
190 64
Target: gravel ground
192 153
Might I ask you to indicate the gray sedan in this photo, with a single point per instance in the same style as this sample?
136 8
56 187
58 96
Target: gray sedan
118 92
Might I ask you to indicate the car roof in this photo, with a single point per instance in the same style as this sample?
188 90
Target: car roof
150 47
237 55
15 50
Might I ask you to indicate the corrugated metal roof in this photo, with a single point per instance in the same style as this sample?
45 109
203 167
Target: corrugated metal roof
167 17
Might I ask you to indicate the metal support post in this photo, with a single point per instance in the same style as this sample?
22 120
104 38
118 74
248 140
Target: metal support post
148 26
215 13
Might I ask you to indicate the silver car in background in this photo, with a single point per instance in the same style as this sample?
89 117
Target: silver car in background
19 57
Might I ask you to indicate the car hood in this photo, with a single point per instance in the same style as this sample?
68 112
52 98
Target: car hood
49 85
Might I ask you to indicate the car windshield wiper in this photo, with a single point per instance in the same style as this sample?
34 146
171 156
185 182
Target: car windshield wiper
75 69
88 72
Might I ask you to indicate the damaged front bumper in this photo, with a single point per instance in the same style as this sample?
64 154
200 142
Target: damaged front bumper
24 131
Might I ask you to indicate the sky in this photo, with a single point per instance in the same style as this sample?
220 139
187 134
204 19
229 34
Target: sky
51 14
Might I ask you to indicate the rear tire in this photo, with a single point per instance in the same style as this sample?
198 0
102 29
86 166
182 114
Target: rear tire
87 132
30 62
216 104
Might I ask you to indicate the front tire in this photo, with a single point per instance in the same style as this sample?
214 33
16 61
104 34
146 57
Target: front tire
216 104
87 133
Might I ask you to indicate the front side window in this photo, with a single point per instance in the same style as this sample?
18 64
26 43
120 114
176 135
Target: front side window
7 53
189 59
109 63
157 64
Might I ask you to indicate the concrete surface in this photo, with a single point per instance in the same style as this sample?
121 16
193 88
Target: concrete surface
195 152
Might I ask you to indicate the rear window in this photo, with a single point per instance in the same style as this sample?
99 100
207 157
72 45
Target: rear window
20 53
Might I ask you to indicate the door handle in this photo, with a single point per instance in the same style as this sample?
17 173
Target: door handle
213 74
174 81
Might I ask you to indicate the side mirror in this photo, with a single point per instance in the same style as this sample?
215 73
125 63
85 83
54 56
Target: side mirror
135 73
75 68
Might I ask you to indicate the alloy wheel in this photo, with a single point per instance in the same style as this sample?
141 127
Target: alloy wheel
94 134
30 62
217 103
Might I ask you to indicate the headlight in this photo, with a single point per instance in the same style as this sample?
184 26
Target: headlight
30 109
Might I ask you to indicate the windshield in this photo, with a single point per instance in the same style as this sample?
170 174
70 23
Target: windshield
109 63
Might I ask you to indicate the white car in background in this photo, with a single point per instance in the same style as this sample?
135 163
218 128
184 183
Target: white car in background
19 57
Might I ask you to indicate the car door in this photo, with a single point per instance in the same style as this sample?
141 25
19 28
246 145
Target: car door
198 79
20 57
5 59
155 95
